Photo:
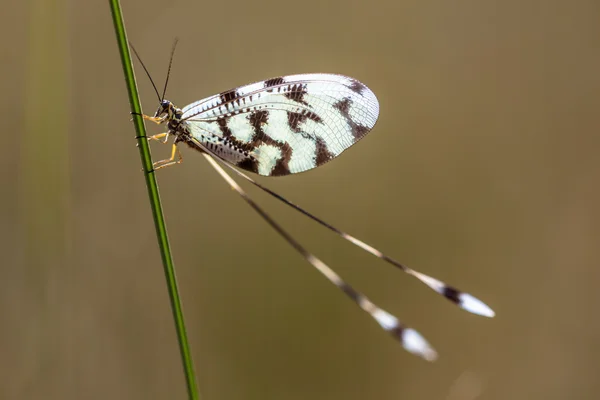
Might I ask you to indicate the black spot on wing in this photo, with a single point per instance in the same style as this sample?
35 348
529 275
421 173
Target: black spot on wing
358 130
225 131
282 165
312 116
357 87
296 118
229 96
296 92
344 106
249 164
322 153
273 82
257 120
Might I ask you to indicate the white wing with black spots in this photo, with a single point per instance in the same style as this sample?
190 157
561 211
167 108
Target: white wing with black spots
284 125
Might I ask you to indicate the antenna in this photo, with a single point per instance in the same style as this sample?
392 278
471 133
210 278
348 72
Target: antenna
146 69
169 70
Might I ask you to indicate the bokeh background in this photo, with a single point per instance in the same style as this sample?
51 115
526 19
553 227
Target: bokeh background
483 171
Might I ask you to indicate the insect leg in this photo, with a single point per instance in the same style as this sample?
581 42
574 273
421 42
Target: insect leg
156 120
169 161
159 136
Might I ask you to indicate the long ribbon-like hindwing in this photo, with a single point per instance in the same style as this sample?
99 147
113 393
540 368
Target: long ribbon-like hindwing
287 125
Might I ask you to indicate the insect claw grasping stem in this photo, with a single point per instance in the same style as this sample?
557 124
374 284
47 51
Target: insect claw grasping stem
169 161
156 120
159 137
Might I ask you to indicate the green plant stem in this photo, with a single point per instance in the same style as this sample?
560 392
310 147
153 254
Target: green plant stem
159 221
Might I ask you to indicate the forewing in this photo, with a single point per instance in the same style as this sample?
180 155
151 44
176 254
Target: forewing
288 124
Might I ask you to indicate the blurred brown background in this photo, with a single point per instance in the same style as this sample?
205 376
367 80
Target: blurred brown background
482 171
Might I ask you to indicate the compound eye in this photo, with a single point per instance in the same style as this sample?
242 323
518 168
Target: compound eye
164 103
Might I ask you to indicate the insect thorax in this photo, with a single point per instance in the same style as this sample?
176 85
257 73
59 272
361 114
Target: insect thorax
173 126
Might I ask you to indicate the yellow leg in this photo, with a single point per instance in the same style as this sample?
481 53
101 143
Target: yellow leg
156 120
169 161
164 135
156 137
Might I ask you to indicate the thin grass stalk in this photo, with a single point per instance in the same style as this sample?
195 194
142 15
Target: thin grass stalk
154 197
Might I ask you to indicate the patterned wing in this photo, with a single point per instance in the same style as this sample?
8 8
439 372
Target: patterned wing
288 124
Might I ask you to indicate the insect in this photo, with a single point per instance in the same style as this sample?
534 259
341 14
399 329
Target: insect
287 125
